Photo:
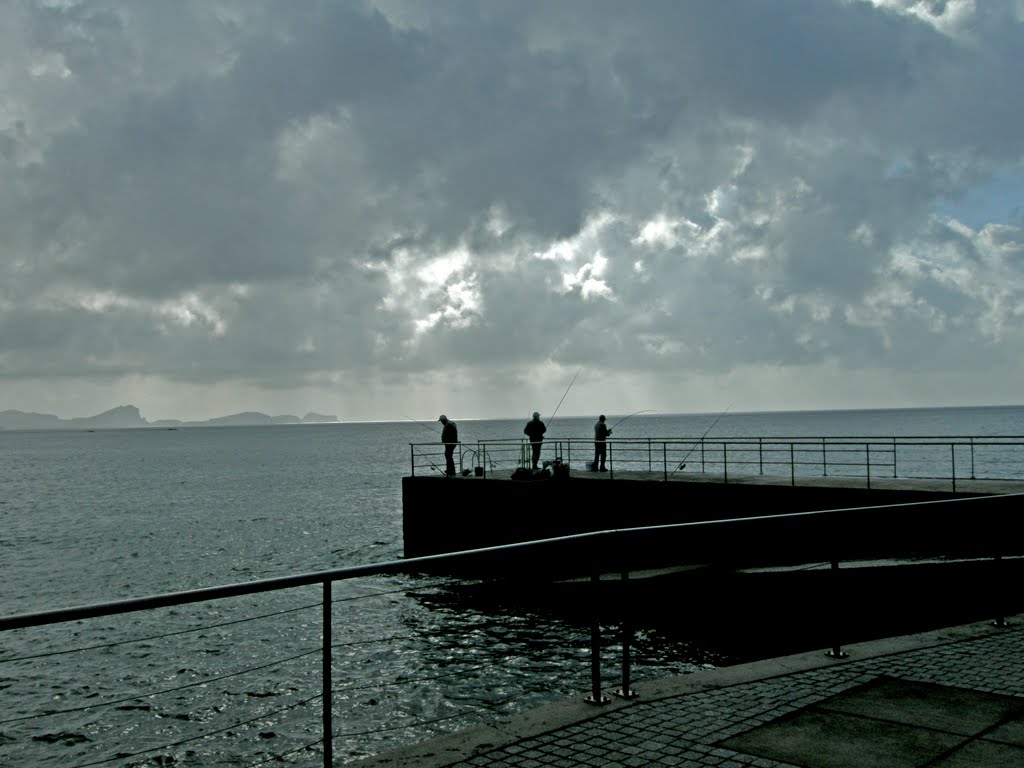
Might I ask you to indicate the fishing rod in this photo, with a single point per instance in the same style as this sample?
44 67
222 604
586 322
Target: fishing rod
613 426
551 420
431 430
682 464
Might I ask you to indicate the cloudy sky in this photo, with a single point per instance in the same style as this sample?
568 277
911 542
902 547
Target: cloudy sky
388 208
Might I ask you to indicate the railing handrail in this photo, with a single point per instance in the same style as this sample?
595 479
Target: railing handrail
169 599
878 452
942 439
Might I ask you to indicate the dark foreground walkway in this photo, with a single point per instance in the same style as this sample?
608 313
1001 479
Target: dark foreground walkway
952 698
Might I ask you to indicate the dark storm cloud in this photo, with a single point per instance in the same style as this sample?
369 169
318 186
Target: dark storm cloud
322 194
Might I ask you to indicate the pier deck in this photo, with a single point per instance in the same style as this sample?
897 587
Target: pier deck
962 486
952 698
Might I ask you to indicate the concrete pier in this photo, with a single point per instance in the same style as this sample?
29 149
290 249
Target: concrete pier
452 514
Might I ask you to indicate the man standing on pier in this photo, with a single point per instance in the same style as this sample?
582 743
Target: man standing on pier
601 432
535 430
450 438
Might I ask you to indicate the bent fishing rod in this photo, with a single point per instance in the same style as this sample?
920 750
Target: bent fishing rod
682 464
613 426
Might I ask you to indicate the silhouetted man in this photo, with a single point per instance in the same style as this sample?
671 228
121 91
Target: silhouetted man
601 432
450 438
535 430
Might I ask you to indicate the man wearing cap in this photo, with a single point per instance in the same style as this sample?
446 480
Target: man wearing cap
535 430
450 438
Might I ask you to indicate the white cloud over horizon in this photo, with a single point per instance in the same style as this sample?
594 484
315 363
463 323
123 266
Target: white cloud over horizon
390 208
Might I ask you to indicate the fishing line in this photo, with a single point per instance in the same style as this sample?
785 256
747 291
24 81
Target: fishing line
694 446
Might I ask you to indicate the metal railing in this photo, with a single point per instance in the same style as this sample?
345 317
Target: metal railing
868 457
622 551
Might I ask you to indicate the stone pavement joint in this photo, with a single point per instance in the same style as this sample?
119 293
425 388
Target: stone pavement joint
951 698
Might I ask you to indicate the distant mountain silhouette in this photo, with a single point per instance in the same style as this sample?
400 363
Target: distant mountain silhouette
128 416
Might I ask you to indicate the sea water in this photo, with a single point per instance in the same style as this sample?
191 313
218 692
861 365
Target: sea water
105 515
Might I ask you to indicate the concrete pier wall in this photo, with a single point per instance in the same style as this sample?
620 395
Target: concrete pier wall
446 515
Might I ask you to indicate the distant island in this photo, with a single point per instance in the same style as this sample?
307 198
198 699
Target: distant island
128 416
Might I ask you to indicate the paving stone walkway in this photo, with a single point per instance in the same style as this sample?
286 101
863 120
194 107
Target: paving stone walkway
947 699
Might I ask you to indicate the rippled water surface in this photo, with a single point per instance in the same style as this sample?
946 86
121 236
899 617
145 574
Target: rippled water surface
96 516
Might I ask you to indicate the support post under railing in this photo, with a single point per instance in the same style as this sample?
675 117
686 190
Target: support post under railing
595 697
626 690
837 650
725 463
412 460
1000 620
792 465
664 458
328 725
824 458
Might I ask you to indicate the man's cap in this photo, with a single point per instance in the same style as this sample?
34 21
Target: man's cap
442 417
601 417
536 414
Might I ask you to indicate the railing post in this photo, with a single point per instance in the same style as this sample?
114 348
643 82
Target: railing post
824 458
611 464
626 691
837 651
412 460
725 462
952 463
792 465
664 458
328 726
867 462
650 458
972 459
894 458
595 697
760 455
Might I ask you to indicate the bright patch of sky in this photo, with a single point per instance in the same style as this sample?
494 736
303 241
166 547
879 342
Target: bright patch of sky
1000 200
